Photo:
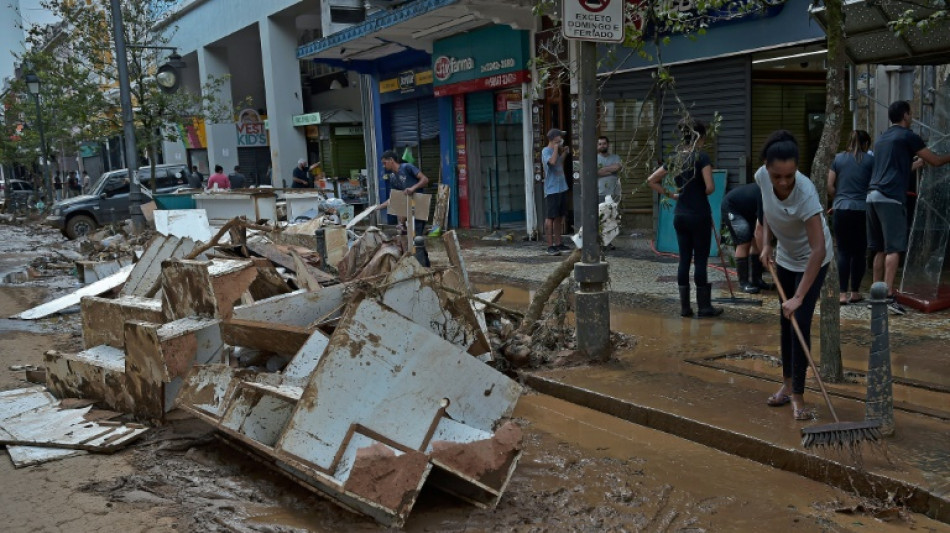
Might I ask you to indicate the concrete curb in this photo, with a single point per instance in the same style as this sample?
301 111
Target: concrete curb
821 469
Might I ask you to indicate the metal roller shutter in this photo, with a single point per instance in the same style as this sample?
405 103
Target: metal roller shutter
705 88
348 155
254 162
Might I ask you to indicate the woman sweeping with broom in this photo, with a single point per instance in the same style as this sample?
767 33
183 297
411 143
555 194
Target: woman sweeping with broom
792 213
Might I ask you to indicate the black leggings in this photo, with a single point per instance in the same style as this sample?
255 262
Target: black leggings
852 239
693 234
794 363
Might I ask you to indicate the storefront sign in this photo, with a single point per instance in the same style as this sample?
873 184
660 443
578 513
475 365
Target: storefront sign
458 112
406 84
251 134
306 119
498 81
495 53
593 20
348 130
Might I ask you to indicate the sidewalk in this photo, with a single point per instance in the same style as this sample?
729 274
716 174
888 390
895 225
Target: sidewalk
707 380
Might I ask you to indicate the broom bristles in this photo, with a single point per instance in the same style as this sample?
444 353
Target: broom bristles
842 434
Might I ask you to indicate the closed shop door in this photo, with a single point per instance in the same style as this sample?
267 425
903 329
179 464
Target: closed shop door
254 162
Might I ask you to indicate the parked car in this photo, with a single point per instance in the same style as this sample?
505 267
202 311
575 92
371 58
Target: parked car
108 200
21 192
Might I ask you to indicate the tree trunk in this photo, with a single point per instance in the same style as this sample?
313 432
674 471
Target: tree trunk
835 100
547 288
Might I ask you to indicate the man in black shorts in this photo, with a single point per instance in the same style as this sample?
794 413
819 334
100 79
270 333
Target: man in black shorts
555 190
741 208
894 152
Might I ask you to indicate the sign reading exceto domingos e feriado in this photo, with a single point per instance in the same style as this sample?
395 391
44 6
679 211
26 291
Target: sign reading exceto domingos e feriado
593 20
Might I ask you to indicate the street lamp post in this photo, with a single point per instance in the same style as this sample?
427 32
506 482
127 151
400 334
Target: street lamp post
33 86
125 98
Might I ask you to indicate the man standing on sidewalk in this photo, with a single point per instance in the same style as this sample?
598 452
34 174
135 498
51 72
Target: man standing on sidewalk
555 190
608 165
887 199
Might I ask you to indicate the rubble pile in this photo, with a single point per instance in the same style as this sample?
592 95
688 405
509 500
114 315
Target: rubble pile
362 381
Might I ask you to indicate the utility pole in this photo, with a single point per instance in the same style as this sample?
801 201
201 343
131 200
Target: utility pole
128 127
590 22
47 180
591 274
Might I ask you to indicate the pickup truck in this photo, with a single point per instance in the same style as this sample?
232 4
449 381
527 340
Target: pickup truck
108 199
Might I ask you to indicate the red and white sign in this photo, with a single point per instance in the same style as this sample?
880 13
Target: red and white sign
593 20
458 110
498 81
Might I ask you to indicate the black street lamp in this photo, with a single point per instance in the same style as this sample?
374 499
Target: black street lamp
168 76
33 86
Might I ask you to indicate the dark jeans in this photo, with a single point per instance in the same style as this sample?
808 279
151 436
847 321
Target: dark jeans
794 363
852 239
694 235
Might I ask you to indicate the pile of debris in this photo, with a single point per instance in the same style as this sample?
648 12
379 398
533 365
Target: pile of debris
363 380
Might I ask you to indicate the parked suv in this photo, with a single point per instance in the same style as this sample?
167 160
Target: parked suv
21 192
108 199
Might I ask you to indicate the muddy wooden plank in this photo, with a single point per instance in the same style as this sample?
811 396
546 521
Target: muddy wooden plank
278 338
405 374
454 252
149 267
95 289
336 245
187 290
31 417
103 319
230 279
300 308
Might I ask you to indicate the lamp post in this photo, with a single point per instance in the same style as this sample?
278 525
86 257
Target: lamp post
33 86
125 98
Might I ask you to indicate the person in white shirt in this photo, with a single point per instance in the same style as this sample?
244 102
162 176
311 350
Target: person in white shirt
792 213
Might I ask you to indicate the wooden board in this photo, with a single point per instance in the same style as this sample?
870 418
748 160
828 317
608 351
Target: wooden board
95 289
399 204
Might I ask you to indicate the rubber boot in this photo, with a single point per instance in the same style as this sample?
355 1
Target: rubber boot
742 268
704 300
757 271
685 308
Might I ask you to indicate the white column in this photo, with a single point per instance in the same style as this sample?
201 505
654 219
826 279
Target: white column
222 137
527 131
283 96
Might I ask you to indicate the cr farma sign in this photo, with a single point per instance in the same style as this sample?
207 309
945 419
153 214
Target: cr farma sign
593 20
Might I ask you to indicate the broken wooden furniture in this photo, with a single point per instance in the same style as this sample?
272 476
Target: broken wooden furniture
390 400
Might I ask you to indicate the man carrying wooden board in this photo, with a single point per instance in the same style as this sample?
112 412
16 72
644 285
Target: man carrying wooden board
407 178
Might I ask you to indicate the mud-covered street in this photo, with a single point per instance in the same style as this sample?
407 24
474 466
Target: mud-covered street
582 470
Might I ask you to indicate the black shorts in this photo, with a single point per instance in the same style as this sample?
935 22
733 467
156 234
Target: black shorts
887 227
555 205
742 230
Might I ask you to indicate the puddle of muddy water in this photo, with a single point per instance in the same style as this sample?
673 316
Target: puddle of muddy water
664 341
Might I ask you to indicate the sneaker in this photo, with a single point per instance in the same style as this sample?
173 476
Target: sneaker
563 247
895 307
553 250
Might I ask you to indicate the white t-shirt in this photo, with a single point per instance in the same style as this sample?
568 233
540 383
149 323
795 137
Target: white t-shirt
786 219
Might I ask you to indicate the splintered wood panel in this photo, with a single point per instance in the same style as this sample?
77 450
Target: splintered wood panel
271 337
187 290
300 308
391 380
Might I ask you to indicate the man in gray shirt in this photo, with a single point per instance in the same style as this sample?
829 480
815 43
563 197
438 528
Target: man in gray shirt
608 165
237 179
890 181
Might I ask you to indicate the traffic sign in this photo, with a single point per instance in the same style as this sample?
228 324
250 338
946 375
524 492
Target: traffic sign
592 20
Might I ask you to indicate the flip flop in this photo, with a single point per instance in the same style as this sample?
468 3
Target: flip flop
777 401
856 300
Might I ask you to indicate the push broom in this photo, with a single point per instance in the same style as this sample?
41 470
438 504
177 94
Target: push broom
839 434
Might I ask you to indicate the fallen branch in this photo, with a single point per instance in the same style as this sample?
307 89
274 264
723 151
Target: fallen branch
233 223
547 289
485 302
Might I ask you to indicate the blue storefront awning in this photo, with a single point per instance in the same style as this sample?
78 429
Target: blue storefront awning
411 30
